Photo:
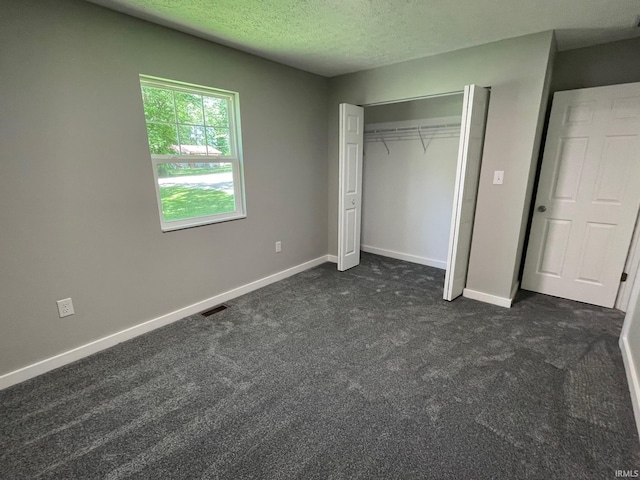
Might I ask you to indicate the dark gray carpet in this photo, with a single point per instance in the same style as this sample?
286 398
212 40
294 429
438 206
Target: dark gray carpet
362 374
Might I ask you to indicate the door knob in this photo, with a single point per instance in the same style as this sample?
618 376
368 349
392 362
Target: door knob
353 201
542 208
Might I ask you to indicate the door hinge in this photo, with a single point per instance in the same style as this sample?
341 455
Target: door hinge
623 278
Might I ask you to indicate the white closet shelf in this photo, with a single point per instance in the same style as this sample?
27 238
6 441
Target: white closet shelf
409 133
417 132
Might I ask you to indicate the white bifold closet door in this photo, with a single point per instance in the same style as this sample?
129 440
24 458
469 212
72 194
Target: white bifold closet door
474 115
350 185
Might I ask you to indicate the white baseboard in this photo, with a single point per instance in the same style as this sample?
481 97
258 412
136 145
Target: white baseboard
488 298
332 258
632 378
430 262
103 343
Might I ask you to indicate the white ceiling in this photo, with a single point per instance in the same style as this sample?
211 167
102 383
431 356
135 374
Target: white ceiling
332 37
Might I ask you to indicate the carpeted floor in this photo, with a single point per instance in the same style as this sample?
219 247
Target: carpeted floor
362 374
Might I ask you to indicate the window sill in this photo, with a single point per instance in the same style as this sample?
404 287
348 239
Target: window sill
191 223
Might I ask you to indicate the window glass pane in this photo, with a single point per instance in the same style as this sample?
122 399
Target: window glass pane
189 108
216 112
218 139
192 140
158 105
163 138
189 190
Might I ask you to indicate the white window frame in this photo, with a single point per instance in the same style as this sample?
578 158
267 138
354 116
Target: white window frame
235 157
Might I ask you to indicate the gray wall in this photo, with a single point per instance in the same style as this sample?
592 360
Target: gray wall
599 65
79 216
444 106
517 70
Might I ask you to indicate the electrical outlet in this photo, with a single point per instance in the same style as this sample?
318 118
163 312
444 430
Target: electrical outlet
65 307
278 247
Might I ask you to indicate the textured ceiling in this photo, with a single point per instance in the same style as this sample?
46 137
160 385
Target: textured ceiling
331 37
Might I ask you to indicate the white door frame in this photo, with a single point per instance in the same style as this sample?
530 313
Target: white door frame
631 318
630 268
411 99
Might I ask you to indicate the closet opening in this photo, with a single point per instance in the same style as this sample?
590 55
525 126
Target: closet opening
408 178
408 182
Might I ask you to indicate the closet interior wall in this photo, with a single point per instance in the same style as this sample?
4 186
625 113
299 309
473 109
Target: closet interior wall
409 177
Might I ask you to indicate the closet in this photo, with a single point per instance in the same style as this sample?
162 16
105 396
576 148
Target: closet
409 172
408 181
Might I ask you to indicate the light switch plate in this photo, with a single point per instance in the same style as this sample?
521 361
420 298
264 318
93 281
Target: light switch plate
498 177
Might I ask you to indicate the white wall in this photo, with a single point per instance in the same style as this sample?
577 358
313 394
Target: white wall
408 196
79 216
517 70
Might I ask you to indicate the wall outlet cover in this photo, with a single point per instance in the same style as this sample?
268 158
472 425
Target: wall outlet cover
65 307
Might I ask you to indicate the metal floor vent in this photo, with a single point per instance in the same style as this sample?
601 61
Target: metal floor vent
214 310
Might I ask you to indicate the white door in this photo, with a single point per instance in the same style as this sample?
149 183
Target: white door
474 115
350 184
588 195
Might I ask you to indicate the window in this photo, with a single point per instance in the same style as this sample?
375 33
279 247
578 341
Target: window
196 152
